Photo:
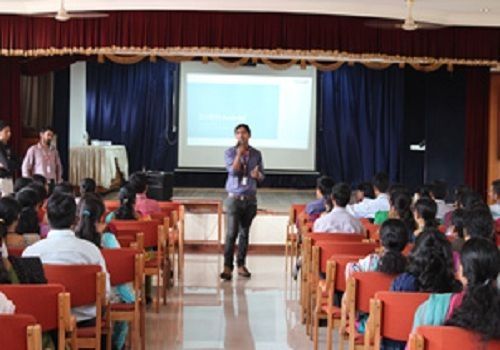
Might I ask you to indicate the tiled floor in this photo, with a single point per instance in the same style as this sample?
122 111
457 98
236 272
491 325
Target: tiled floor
204 313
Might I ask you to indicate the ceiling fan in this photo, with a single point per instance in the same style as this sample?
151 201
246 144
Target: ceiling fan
409 23
63 15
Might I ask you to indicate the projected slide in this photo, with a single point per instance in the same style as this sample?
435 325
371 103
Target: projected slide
277 105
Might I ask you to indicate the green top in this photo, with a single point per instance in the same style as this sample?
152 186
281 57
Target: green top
381 217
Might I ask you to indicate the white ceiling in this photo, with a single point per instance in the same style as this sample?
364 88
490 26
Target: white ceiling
448 12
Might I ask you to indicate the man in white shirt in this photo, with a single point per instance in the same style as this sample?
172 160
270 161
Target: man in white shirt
495 195
339 220
438 193
368 209
62 246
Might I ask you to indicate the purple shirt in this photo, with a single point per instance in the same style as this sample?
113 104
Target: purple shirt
44 161
235 183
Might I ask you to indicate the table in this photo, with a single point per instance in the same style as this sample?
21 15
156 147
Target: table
98 163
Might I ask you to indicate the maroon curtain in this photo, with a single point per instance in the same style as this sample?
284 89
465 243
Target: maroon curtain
10 76
476 128
170 29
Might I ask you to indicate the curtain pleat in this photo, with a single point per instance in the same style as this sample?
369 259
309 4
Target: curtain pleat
37 98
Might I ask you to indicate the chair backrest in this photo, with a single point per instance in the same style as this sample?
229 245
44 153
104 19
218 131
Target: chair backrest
111 205
371 228
120 264
397 313
408 249
328 248
445 337
334 237
341 261
16 251
39 300
20 332
148 228
74 278
367 284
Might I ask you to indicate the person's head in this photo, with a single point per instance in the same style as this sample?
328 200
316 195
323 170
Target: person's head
22 182
341 194
28 218
479 224
87 185
393 237
458 219
46 135
242 133
90 210
471 200
40 179
495 190
5 132
459 192
425 212
380 183
400 202
324 185
424 191
27 198
365 190
64 187
431 262
126 211
139 182
9 215
61 210
40 190
480 308
439 190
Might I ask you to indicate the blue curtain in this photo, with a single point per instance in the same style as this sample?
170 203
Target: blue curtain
360 120
133 105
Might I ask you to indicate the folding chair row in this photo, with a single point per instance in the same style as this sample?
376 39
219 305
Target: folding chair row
20 332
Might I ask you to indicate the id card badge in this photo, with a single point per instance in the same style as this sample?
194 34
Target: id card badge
48 169
244 181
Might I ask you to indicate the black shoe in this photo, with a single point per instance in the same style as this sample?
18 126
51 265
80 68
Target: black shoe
243 272
227 274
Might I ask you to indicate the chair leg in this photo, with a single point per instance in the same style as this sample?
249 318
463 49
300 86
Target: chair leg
158 292
316 330
286 256
329 331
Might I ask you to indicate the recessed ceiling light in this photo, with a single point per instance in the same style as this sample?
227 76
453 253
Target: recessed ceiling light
484 10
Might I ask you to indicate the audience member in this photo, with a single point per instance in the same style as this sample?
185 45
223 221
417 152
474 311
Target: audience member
143 204
380 203
64 187
339 220
21 182
126 211
495 197
439 190
425 215
400 202
9 216
28 219
314 209
457 228
479 223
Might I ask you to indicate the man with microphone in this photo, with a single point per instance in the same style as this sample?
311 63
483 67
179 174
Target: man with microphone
245 170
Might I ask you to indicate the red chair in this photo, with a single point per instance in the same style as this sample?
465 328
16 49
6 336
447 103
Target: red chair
127 266
440 338
111 205
292 236
360 288
391 316
175 212
16 251
20 332
87 286
48 303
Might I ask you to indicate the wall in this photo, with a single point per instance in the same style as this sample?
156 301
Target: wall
77 102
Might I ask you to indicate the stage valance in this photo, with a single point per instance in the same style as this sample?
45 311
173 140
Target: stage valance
319 35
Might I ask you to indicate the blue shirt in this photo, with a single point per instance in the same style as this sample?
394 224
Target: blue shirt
234 183
315 207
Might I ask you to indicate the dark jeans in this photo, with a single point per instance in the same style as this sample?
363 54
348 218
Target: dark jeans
240 214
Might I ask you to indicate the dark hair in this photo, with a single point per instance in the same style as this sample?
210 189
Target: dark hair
328 204
325 184
21 183
28 218
470 200
40 179
496 187
458 219
381 182
425 191
341 194
90 210
139 182
427 209
397 187
394 237
244 126
40 190
126 211
480 308
87 185
64 187
479 223
367 189
61 210
431 262
9 213
46 128
3 124
401 202
439 189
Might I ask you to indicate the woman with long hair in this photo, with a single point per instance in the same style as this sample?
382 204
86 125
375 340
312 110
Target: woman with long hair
425 215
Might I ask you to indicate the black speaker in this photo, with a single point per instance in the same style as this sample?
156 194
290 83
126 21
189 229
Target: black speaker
160 185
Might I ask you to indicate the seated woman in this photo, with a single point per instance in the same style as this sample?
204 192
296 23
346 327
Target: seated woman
9 213
478 307
90 210
390 260
28 225
126 211
87 185
400 208
9 218
425 215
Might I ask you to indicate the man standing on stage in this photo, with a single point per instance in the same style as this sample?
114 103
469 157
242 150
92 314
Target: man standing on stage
43 159
7 163
245 169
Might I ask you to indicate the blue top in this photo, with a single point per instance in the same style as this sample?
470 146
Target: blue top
315 207
234 183
405 282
